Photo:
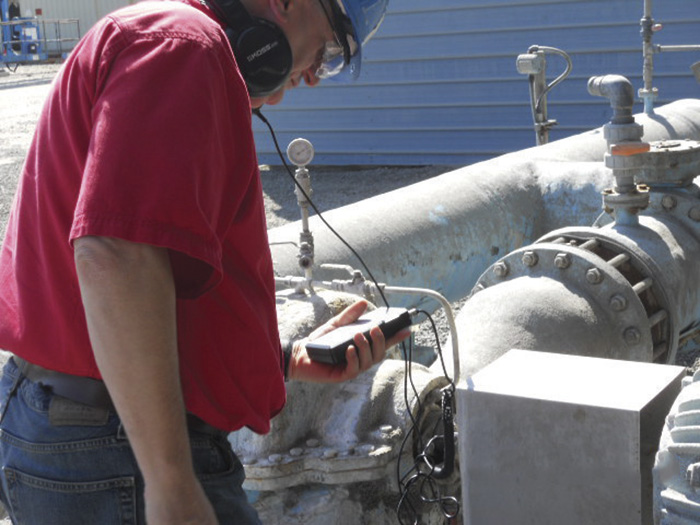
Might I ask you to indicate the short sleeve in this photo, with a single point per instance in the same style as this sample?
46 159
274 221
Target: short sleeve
169 152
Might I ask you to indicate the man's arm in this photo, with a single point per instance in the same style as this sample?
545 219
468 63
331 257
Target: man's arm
129 298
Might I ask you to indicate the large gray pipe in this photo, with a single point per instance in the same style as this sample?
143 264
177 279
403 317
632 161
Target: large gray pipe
442 233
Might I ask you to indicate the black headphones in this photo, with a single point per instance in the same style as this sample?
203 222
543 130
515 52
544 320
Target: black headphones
261 48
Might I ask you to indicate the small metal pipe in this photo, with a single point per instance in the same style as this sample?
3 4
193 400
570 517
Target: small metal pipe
666 49
590 244
619 260
643 285
659 350
658 317
449 314
647 93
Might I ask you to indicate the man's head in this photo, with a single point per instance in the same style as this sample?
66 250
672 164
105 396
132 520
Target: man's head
325 37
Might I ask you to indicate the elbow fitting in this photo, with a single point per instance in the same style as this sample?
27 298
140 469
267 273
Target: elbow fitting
619 91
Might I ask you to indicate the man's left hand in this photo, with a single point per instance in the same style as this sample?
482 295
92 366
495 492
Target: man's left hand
359 357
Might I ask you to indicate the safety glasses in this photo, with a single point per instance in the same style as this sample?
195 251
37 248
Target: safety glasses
336 55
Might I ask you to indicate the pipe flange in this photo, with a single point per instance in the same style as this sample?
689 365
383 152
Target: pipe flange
669 162
593 277
641 267
615 133
636 200
679 204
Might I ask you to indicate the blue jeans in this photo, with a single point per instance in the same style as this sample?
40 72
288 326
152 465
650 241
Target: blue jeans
67 463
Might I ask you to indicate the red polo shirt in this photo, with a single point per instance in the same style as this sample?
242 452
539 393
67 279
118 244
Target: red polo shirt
146 136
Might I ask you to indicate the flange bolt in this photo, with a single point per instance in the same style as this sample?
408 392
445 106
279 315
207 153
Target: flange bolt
694 213
618 302
562 261
594 276
530 258
500 269
632 336
668 202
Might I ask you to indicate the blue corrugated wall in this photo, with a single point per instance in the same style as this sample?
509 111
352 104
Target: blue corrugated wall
439 84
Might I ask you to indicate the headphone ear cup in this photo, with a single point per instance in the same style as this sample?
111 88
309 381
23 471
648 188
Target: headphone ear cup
264 56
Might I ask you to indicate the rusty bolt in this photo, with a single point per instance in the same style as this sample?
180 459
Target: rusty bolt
500 269
668 202
562 260
618 302
594 276
632 336
530 258
694 213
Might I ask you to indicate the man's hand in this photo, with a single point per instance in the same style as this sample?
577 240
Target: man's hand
181 502
359 357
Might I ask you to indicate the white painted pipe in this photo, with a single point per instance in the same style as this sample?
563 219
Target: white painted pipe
444 232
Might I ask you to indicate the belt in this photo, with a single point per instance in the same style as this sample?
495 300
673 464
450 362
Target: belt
84 390
88 391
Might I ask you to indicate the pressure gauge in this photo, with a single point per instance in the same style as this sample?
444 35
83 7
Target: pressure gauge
300 152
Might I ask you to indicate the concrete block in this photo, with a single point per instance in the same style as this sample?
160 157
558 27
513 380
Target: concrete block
559 439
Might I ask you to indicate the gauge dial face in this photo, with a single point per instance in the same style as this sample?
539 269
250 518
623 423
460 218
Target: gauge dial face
300 152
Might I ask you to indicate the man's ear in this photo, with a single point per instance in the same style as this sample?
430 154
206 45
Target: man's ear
280 9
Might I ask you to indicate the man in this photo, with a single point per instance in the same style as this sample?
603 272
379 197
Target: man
136 254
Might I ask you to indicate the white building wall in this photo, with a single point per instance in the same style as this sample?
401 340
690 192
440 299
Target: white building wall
87 12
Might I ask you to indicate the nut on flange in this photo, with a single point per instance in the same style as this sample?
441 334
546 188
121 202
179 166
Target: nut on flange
694 213
500 269
632 335
594 276
562 261
618 302
530 258
668 202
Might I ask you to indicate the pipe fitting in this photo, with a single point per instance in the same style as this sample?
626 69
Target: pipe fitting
500 269
618 302
619 91
594 276
530 258
668 202
694 213
562 261
632 336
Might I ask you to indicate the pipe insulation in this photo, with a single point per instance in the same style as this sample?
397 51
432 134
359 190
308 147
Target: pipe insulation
442 233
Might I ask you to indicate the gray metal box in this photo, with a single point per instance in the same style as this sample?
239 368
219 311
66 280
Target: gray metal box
561 440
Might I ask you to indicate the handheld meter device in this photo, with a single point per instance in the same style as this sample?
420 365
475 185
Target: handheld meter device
331 347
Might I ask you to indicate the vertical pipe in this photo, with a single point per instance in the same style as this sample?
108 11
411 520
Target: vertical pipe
647 93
